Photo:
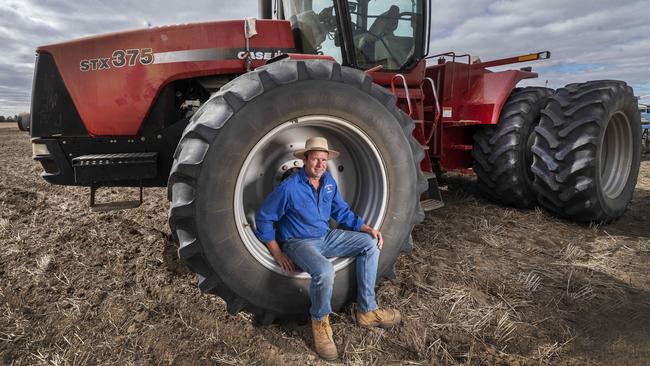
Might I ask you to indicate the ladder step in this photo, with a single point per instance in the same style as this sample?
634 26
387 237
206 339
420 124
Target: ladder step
461 123
112 206
115 206
431 204
414 94
429 108
461 147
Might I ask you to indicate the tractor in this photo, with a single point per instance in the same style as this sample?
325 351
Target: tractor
214 110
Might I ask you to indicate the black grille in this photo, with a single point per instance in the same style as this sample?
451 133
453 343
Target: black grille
52 110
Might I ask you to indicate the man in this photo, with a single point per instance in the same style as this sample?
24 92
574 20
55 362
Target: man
301 207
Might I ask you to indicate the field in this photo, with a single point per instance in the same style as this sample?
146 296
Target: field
485 285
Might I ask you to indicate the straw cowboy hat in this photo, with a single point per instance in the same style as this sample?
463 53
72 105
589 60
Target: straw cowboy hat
316 144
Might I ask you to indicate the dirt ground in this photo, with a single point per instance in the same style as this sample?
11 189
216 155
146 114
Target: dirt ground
485 285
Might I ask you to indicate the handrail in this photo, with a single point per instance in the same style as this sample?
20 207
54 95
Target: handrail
453 56
437 115
406 90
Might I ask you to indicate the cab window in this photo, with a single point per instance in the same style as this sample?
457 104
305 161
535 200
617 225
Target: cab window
314 26
385 32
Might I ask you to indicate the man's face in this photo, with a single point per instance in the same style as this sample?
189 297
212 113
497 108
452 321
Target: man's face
315 163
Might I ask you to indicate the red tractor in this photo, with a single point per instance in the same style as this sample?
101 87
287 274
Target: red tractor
214 111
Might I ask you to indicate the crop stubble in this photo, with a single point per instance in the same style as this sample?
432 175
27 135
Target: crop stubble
484 285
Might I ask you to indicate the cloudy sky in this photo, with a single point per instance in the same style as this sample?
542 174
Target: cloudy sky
595 39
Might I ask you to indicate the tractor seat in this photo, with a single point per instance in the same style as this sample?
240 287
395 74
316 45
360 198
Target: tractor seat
383 26
386 23
308 31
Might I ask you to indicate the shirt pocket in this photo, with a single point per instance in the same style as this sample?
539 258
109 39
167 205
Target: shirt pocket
326 208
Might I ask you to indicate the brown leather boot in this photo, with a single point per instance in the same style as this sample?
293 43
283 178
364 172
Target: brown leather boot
323 340
379 318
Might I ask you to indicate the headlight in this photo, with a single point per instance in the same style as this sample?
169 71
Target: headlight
39 149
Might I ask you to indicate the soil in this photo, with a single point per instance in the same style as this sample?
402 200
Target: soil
485 285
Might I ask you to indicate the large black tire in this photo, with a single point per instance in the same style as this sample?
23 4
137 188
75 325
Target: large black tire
502 153
587 151
23 121
246 122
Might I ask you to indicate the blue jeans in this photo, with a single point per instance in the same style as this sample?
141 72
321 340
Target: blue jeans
310 255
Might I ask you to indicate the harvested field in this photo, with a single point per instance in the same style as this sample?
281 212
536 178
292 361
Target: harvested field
484 285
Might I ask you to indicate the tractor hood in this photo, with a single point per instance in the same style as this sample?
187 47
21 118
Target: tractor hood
113 79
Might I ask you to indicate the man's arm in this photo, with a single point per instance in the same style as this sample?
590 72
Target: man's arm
272 210
342 214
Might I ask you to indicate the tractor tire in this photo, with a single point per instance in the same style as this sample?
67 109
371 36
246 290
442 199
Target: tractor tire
502 153
587 151
240 144
23 121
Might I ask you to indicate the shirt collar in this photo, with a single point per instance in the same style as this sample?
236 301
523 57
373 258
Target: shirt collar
303 176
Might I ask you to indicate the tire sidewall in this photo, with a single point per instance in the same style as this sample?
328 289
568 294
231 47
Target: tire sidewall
215 216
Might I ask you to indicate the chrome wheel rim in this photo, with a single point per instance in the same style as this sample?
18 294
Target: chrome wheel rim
359 171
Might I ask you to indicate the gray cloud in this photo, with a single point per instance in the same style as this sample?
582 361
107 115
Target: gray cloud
600 39
609 38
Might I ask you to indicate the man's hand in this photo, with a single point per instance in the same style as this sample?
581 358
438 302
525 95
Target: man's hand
283 260
375 234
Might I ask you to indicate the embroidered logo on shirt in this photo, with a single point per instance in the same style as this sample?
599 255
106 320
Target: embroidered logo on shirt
329 188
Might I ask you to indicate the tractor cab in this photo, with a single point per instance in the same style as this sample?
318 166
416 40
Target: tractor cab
362 34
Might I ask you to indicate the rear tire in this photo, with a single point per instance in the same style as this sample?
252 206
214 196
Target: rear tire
587 151
502 153
236 148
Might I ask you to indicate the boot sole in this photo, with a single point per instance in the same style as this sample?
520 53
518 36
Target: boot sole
377 326
329 359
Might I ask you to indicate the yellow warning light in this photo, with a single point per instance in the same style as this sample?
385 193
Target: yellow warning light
535 56
531 57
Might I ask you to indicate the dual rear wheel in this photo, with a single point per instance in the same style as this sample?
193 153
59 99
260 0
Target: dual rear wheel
575 152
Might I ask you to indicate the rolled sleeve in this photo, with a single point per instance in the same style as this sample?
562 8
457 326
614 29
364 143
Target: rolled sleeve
273 208
343 215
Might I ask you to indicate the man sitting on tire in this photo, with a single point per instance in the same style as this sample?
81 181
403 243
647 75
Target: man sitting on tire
301 207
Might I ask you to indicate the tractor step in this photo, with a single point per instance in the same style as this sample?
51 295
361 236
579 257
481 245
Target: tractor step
413 94
461 123
115 205
461 147
431 204
433 200
103 169
98 168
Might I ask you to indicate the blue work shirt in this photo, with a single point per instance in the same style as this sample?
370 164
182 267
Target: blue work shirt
300 212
